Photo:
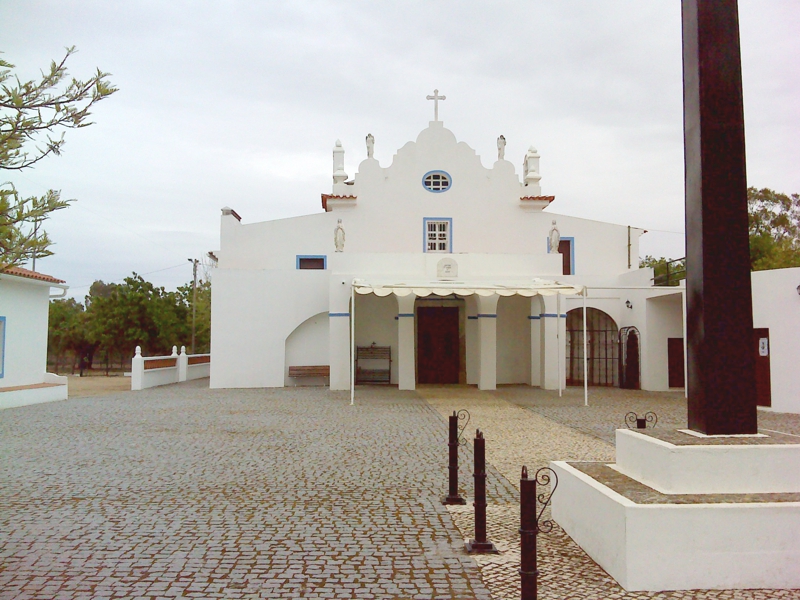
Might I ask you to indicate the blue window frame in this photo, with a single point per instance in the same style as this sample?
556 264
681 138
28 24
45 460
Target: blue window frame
437 181
571 264
311 261
437 234
2 346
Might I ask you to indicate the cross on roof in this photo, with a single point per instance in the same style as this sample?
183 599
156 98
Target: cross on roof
436 97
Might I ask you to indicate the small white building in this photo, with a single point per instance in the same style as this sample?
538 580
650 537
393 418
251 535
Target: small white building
24 312
448 270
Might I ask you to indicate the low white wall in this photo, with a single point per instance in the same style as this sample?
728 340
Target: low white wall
142 378
680 547
198 371
36 395
712 469
776 305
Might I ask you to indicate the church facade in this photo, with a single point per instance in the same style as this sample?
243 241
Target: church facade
438 269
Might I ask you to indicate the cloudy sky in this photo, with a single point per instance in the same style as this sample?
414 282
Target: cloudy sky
240 103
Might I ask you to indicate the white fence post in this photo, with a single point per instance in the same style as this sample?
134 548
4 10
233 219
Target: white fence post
137 369
183 364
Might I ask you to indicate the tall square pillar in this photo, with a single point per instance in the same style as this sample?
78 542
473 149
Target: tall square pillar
406 365
487 340
721 365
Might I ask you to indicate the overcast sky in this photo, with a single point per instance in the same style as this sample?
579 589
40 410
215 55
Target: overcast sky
240 103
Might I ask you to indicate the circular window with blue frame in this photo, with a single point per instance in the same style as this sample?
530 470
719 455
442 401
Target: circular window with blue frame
436 181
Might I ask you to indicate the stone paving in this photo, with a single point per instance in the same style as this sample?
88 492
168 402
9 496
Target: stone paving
185 492
529 426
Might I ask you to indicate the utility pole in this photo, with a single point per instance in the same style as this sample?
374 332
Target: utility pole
194 262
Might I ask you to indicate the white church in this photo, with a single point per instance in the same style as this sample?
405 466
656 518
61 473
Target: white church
438 269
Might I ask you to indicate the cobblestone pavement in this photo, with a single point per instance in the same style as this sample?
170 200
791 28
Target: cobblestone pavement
184 492
524 425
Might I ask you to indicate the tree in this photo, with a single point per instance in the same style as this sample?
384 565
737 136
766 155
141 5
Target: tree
136 313
666 271
774 229
32 115
202 315
66 331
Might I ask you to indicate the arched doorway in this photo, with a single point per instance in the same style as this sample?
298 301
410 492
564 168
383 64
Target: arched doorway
629 364
602 346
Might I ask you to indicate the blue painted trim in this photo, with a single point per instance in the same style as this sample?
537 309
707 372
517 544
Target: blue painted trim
535 317
471 317
438 171
322 256
425 233
330 314
564 316
2 347
571 241
406 315
486 316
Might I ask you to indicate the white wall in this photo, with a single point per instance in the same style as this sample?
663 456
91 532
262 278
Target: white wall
664 320
252 314
776 305
25 305
513 340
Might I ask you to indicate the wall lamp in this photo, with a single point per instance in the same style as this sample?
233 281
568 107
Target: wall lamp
629 305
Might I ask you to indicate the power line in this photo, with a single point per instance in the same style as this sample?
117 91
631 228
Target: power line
78 287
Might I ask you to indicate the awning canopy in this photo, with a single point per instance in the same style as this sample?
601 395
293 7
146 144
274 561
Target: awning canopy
530 288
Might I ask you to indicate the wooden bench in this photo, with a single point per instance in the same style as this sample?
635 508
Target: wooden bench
310 371
373 375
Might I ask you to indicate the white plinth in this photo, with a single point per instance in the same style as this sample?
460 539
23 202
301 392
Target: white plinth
656 547
708 469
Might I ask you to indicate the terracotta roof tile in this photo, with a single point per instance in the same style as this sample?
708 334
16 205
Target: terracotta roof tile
326 197
547 198
28 274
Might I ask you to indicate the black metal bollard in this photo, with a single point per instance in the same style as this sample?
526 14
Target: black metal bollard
531 525
453 497
480 545
527 529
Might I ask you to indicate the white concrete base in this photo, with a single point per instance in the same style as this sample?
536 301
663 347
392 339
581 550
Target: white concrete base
657 547
57 389
708 469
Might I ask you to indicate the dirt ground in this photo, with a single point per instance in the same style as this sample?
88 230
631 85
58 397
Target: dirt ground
97 385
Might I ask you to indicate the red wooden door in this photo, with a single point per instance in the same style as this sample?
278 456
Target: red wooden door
675 362
762 349
437 344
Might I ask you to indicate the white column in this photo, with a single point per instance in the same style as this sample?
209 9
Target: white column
472 341
535 318
487 334
137 370
550 343
183 364
406 365
339 345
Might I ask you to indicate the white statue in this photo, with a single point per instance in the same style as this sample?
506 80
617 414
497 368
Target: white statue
555 238
338 237
370 145
501 148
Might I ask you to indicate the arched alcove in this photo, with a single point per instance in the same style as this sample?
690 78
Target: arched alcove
602 346
308 345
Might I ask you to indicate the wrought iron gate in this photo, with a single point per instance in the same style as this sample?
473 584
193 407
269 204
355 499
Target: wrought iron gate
602 346
629 358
